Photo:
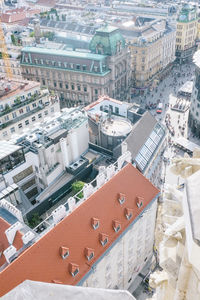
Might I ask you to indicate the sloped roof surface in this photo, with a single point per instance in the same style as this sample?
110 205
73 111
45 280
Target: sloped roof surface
108 38
43 262
32 290
140 133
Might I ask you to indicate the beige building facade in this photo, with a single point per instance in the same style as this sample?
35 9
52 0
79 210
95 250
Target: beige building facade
186 33
152 46
80 77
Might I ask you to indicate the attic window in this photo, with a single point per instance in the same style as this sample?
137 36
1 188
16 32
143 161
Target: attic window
95 223
73 269
116 226
64 252
103 239
89 253
121 198
139 201
128 213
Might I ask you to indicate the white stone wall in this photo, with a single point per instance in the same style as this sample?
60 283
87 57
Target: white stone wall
122 263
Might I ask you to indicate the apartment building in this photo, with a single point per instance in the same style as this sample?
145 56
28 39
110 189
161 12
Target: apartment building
152 45
37 157
194 113
80 77
112 246
186 33
22 104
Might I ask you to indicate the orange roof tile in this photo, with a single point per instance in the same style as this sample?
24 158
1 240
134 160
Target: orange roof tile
17 243
43 262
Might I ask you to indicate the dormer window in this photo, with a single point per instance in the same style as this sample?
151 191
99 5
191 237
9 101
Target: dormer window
116 226
103 239
73 269
128 213
121 198
89 253
95 223
57 281
64 252
139 201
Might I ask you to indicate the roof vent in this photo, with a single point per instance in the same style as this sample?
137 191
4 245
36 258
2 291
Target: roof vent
95 223
27 237
128 213
89 253
116 226
64 252
121 198
73 269
139 201
103 238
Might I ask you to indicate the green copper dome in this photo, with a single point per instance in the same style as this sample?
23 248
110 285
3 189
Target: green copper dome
107 40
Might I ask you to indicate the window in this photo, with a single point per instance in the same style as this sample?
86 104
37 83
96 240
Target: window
85 89
55 84
103 239
121 198
61 85
6 118
39 116
78 67
128 213
33 119
71 65
78 87
116 226
21 111
117 110
14 114
64 252
34 104
46 112
52 109
96 92
139 201
72 86
43 82
84 67
26 122
12 129
20 125
73 269
89 253
66 85
28 109
5 133
95 223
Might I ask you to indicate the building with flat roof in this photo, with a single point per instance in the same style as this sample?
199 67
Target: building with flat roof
117 126
36 158
112 246
22 104
80 77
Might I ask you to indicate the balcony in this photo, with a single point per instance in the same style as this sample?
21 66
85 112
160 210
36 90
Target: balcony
20 103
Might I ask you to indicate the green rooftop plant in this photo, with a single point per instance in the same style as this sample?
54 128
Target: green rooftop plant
77 186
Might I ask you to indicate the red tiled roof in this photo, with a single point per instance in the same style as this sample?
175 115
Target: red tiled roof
17 243
43 262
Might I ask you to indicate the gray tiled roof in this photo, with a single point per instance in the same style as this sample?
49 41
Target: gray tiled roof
140 133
